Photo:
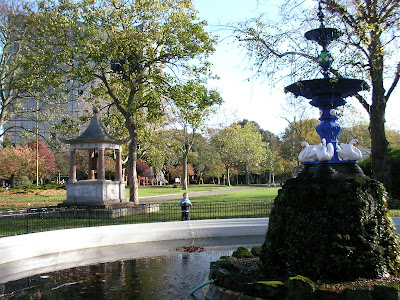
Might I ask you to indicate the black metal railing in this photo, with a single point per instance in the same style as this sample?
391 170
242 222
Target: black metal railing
46 219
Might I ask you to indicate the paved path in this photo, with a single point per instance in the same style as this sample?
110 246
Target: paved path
192 194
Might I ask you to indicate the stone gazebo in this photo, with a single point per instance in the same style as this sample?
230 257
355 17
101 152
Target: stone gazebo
96 192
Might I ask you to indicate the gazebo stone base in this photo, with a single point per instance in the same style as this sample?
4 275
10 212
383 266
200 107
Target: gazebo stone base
96 193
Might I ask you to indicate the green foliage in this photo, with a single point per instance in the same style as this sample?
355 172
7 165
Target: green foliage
22 182
80 41
193 105
272 283
394 156
300 288
295 133
23 86
242 252
241 148
304 279
256 251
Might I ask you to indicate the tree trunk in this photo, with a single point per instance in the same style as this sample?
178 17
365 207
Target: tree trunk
380 161
132 174
12 181
228 181
246 175
184 171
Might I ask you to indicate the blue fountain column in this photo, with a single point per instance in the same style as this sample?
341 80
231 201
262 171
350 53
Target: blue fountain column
329 129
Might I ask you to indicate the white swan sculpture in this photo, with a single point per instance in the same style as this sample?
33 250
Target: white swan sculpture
325 151
309 152
349 151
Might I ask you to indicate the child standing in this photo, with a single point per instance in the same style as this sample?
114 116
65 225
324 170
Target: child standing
185 206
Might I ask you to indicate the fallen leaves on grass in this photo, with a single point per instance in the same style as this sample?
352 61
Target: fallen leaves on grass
35 192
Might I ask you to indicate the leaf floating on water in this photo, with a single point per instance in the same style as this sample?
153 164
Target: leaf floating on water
190 249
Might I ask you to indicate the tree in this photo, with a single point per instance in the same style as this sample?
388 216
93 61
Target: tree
273 164
368 47
193 105
393 138
16 162
206 160
158 148
46 159
26 97
240 146
252 150
295 133
225 143
141 40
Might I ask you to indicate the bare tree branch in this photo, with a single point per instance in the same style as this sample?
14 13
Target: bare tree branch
394 83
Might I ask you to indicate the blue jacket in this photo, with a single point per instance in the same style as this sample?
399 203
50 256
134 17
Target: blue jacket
185 205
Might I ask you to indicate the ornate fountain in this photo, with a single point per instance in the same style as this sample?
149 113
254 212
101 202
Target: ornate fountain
327 93
331 222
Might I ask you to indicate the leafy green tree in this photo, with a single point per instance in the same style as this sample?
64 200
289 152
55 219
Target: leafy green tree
252 150
123 51
368 50
240 147
273 164
193 104
158 148
225 142
206 160
23 95
359 132
393 137
295 133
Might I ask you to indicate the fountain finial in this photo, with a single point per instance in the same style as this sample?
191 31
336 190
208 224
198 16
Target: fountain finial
323 36
320 15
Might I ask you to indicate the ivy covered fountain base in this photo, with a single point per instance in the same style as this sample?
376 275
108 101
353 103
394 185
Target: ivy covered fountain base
327 229
332 226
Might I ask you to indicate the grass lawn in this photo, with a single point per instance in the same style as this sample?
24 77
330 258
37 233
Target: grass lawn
147 191
20 201
250 195
54 197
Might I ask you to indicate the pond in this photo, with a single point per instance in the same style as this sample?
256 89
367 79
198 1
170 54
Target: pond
172 275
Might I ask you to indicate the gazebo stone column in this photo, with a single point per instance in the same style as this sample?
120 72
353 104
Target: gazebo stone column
90 165
72 165
118 165
101 174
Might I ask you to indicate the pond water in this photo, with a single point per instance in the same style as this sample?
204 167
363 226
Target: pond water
170 276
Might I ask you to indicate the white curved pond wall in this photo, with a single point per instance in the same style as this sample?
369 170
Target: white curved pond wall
35 253
25 255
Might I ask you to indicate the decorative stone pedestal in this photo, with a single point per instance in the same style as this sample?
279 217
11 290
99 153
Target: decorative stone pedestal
96 193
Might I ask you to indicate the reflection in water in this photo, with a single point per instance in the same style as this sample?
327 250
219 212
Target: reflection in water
166 277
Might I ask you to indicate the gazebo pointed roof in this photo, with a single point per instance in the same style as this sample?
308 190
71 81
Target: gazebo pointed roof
95 133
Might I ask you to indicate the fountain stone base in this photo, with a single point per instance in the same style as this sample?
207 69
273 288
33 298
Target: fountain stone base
330 223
